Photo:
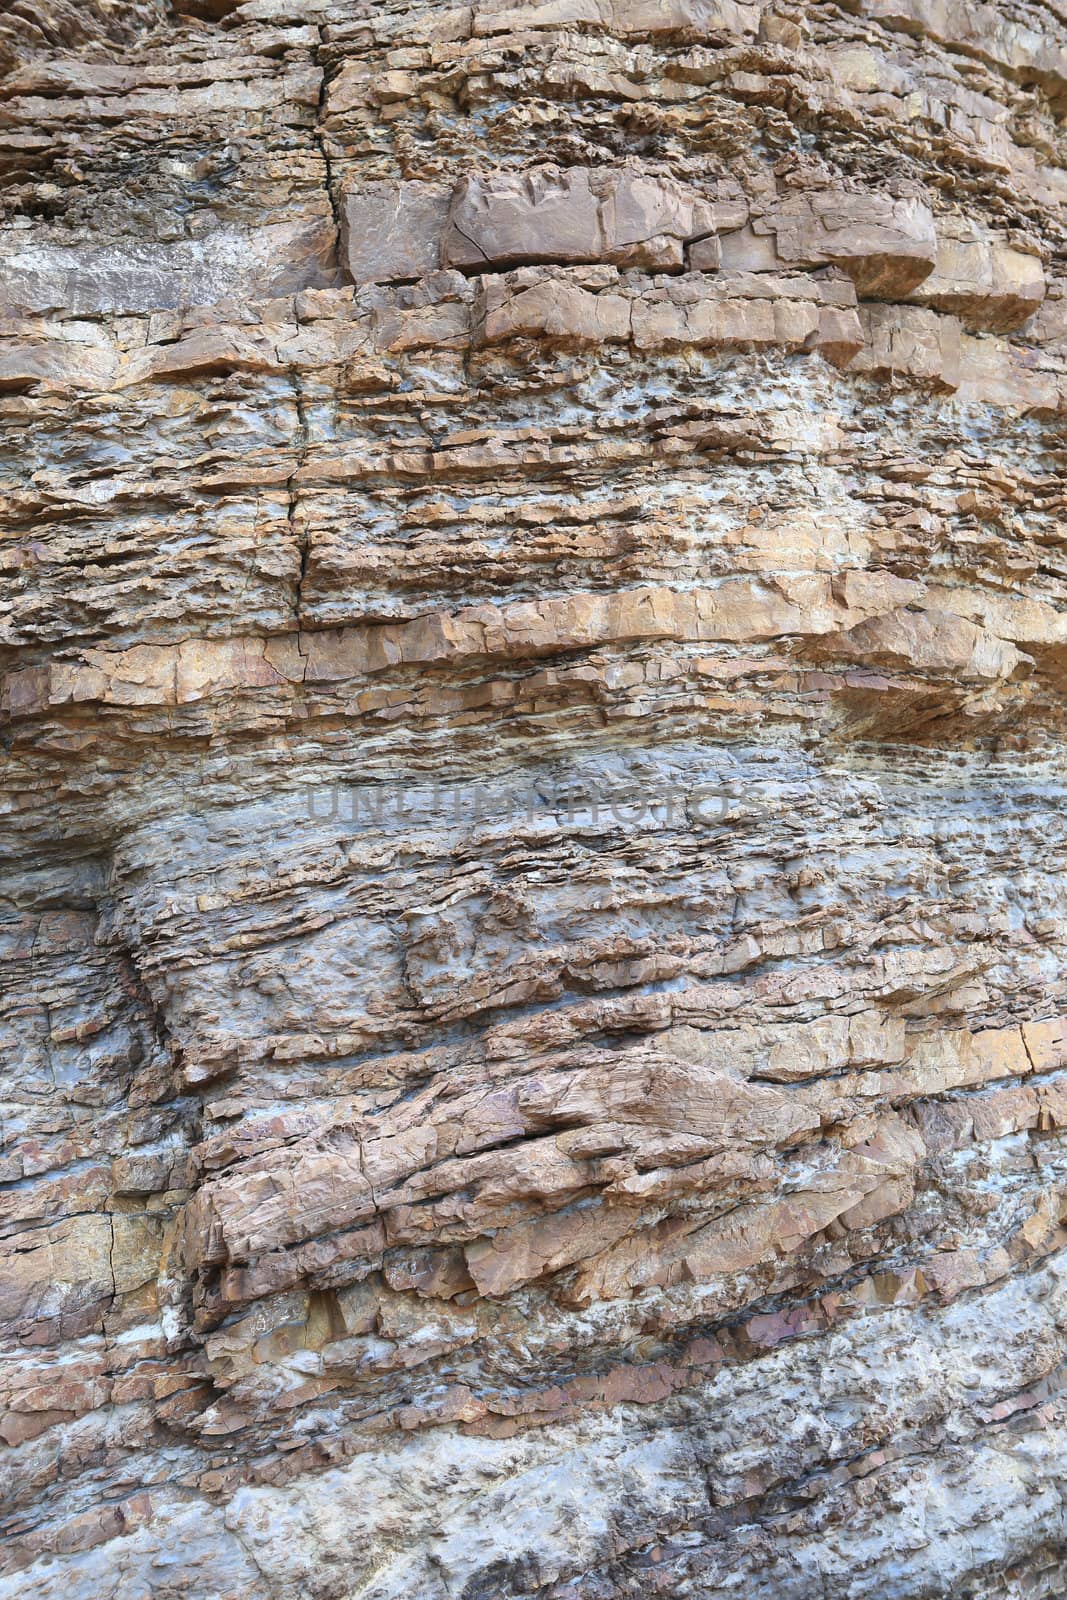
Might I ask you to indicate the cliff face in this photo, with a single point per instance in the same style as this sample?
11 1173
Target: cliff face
534 646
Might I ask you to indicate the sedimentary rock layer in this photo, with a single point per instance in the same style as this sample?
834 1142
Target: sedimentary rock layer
532 665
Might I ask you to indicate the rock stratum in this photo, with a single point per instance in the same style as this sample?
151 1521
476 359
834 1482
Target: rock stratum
534 654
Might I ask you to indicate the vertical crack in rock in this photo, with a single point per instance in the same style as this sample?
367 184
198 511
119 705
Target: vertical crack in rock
322 137
302 536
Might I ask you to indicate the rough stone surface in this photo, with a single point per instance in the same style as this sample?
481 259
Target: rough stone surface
532 671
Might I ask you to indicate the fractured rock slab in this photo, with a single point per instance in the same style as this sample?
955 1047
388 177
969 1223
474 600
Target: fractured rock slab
578 214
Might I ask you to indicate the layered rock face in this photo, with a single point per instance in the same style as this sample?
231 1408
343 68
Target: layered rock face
534 642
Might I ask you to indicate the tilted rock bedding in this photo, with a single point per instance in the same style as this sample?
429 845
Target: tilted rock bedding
533 662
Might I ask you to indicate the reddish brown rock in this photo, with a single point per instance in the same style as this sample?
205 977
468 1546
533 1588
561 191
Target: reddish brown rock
391 232
619 215
886 246
982 279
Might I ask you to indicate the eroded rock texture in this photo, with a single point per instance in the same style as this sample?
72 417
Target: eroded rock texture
534 648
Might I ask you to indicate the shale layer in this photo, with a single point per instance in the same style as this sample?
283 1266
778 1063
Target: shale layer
533 661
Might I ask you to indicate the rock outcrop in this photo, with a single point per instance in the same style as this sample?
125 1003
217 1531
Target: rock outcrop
532 675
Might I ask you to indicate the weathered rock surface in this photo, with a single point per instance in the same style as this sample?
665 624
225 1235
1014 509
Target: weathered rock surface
532 667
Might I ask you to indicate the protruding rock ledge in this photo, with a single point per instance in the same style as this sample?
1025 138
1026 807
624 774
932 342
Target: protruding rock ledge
683 19
579 214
